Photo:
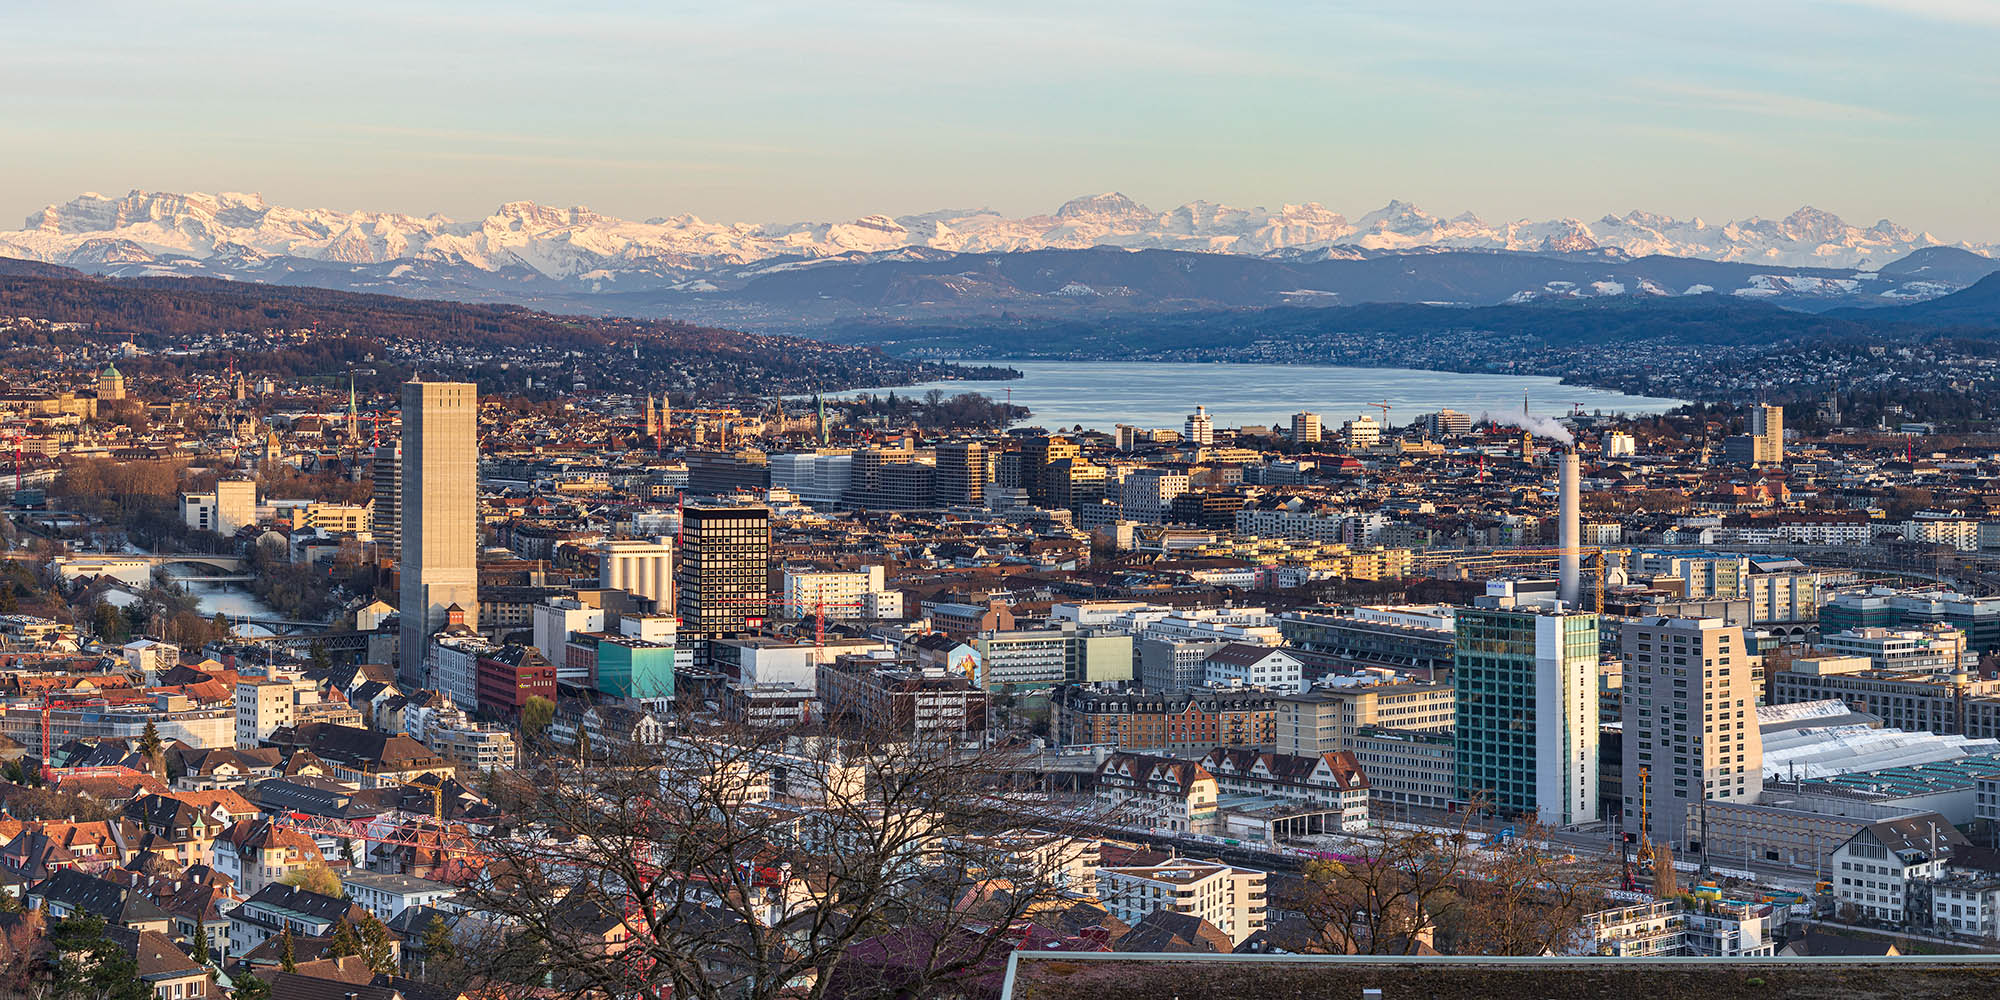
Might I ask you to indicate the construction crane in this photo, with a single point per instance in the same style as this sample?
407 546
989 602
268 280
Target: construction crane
819 607
1594 556
1384 407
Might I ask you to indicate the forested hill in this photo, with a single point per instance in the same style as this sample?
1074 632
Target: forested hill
186 313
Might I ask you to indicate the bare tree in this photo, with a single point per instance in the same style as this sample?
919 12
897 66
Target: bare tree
741 863
1385 898
1525 898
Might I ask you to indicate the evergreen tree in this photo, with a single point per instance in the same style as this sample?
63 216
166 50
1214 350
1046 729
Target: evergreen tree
439 949
288 958
201 945
89 964
377 950
345 940
249 987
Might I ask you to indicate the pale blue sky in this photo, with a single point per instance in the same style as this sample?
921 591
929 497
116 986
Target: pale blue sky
779 111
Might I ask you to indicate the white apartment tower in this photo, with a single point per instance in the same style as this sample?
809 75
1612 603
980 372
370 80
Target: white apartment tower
440 514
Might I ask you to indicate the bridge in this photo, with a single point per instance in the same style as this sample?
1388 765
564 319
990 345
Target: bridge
137 568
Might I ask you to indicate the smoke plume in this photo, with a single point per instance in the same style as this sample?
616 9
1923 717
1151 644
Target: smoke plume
1539 426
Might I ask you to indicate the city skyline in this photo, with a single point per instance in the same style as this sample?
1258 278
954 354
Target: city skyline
1565 110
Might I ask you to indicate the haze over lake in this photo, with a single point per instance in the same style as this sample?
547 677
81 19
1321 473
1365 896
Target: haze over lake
1103 394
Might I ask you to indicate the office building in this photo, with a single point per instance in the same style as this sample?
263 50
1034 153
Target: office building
1527 726
963 471
1327 719
723 578
1361 432
1200 428
387 519
1690 719
835 594
440 513
1305 428
1147 495
231 505
554 621
1447 423
1038 457
640 567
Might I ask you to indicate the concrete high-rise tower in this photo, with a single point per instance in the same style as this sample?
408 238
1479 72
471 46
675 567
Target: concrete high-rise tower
439 547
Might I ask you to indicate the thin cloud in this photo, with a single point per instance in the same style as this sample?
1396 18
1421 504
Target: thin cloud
1977 12
1767 104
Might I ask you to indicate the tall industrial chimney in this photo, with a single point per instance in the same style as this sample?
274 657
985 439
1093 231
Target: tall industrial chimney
1569 531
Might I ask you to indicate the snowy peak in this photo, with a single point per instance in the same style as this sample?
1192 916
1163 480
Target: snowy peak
1111 208
232 229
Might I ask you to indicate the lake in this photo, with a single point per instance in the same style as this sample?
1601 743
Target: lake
1103 394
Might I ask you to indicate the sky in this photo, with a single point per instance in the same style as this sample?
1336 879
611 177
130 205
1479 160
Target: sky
746 110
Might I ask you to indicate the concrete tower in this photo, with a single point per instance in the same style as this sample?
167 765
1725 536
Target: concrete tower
440 514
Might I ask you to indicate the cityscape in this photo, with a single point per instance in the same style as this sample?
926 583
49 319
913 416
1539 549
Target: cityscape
406 603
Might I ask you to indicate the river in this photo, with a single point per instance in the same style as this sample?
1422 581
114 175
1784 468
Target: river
1103 394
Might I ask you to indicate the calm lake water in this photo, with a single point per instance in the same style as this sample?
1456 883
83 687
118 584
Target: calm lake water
1103 394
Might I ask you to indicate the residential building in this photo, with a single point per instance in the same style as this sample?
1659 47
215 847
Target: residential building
1878 871
1233 899
1164 792
1690 720
1261 667
1332 781
1191 722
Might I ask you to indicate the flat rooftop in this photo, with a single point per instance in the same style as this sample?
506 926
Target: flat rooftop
1113 976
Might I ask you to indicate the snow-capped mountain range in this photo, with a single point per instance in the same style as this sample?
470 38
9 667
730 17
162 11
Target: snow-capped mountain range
144 232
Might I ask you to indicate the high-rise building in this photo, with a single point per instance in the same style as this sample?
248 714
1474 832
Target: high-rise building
1446 423
1690 713
1765 442
961 473
638 566
723 577
1305 428
1767 427
1200 427
439 516
387 501
1037 456
1148 494
1527 725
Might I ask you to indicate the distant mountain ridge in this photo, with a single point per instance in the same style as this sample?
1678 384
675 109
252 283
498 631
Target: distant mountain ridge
564 243
1094 255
